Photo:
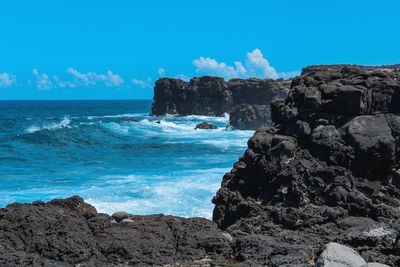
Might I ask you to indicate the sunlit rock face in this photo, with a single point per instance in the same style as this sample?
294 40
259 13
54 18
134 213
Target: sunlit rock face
327 171
213 96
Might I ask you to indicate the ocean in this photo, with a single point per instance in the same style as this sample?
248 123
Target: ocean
114 155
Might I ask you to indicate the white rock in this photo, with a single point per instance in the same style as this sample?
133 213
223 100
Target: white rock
120 215
377 232
374 264
127 221
337 255
227 236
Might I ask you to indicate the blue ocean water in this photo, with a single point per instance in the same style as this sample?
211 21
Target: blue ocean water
55 149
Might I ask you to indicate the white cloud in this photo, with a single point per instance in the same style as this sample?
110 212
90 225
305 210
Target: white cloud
256 65
183 77
161 72
211 66
43 82
7 80
288 75
142 83
79 79
240 68
92 79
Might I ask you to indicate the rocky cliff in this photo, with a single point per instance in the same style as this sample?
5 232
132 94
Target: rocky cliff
213 96
327 171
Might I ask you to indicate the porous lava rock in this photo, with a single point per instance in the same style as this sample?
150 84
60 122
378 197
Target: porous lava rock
213 96
70 232
327 171
250 117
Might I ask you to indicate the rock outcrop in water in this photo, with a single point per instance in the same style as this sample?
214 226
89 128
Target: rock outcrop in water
205 125
213 96
327 171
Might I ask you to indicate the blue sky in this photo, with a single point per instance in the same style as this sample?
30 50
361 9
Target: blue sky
116 49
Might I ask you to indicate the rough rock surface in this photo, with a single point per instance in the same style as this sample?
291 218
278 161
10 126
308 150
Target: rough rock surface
206 125
328 171
213 96
71 233
250 117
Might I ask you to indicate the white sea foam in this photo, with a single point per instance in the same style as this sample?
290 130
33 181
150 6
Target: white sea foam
65 122
225 144
222 119
188 194
116 127
127 115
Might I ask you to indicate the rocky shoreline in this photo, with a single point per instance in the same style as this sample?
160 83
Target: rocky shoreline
319 188
327 171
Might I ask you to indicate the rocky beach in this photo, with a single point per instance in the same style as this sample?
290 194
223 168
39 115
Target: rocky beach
318 185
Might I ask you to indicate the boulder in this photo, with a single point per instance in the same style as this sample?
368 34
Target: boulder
371 137
120 215
206 125
337 255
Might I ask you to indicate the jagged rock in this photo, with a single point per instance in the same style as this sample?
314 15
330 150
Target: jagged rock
337 255
373 143
212 95
206 125
250 117
71 233
327 171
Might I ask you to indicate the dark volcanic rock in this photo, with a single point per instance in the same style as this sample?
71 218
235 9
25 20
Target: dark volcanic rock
250 117
328 171
203 96
212 95
71 233
205 125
